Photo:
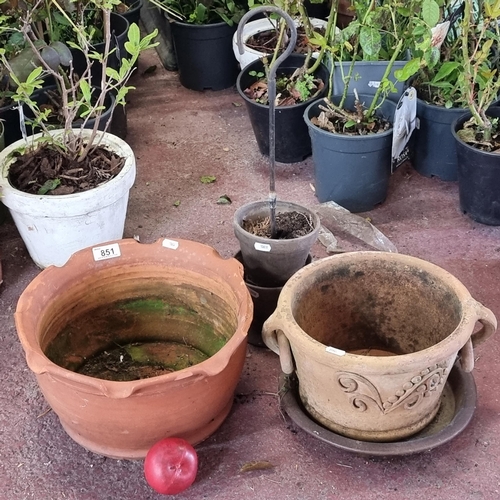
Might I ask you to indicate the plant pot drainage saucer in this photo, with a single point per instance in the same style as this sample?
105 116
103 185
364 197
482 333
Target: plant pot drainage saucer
457 408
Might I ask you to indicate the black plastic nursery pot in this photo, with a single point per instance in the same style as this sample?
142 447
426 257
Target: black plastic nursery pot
133 14
293 143
41 97
353 171
205 58
434 151
10 117
317 10
265 299
478 177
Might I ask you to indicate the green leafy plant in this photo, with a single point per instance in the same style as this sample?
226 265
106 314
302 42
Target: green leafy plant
12 42
298 87
203 11
305 86
294 8
78 96
381 30
464 70
438 58
479 81
301 85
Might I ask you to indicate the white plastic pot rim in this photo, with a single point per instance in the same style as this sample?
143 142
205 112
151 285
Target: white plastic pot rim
259 26
77 203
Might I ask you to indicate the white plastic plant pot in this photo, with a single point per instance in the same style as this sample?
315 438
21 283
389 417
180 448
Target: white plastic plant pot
53 227
259 26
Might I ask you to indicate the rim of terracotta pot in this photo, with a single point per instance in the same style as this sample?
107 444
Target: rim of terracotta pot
452 343
49 282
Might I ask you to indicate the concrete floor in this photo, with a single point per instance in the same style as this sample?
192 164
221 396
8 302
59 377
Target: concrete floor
178 136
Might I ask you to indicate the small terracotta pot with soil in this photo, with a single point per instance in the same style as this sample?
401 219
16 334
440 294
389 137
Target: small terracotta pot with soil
155 350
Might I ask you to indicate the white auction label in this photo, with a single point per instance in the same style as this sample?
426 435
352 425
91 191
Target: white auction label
106 252
172 244
334 350
262 247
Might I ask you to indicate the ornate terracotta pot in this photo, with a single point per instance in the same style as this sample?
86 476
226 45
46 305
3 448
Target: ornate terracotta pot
372 337
172 291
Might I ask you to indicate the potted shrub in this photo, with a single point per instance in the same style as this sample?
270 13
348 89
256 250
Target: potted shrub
202 31
476 133
70 188
52 30
261 35
351 133
300 79
380 33
440 99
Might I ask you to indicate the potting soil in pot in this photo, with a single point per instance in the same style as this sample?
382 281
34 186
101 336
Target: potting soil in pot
289 225
136 338
141 360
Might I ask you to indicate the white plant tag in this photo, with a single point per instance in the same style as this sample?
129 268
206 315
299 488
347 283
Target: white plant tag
374 83
106 252
172 244
262 247
334 350
405 122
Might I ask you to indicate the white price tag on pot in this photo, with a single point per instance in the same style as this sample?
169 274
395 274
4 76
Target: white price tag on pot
172 244
262 247
334 350
106 252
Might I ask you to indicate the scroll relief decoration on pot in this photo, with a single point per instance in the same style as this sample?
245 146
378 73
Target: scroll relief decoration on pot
363 394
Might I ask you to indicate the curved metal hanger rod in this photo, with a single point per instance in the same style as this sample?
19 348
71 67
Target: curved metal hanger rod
271 92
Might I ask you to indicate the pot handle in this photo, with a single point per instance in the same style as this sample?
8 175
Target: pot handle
489 325
278 342
486 317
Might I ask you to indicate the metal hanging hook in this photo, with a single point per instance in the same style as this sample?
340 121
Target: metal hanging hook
271 92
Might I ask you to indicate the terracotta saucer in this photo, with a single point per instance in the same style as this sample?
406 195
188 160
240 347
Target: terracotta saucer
457 408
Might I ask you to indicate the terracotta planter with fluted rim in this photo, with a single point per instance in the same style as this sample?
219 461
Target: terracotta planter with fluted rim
175 291
372 337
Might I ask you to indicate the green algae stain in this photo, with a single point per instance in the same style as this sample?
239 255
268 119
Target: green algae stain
141 337
151 305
